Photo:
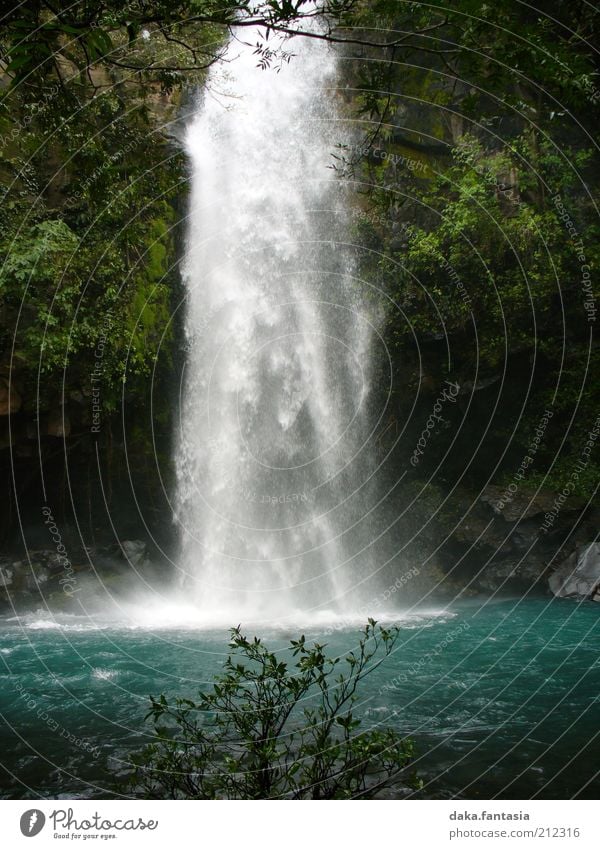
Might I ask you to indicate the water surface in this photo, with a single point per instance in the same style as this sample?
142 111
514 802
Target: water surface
502 698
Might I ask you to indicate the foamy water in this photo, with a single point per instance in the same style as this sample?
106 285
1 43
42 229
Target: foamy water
176 614
273 450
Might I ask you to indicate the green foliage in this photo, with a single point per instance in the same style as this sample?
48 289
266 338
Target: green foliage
487 278
89 181
512 50
88 244
35 282
159 40
270 729
488 224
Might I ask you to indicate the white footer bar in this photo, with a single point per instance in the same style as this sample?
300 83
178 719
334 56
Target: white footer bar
300 825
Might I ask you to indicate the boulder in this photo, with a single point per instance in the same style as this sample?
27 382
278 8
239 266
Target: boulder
6 576
511 574
35 576
579 575
134 551
477 531
525 534
516 505
468 387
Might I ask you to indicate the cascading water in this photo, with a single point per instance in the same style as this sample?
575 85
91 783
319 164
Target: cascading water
273 422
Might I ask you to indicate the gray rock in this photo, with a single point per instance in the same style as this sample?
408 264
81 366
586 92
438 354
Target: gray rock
134 551
6 576
469 386
497 576
579 575
478 532
517 505
512 574
525 535
35 576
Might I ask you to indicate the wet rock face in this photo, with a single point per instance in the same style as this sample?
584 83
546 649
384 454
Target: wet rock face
503 543
47 578
512 573
28 580
6 576
519 506
134 551
579 575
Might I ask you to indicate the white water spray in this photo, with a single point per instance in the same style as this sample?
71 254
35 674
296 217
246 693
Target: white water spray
273 425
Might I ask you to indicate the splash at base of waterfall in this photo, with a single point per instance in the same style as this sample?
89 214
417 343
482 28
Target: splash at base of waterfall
274 462
175 613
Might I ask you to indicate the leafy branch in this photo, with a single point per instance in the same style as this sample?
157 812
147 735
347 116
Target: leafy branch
270 729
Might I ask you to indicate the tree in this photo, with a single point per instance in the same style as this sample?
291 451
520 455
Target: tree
477 209
160 39
269 730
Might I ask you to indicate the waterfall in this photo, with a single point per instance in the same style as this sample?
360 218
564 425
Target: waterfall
273 440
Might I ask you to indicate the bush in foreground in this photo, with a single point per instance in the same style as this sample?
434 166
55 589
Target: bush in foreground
269 729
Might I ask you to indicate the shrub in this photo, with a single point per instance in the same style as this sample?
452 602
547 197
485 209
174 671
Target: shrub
269 729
